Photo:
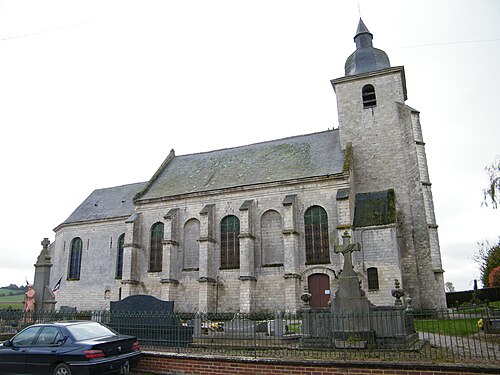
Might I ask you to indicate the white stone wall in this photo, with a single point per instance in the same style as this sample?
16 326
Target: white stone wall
270 290
379 249
191 248
97 284
272 246
180 282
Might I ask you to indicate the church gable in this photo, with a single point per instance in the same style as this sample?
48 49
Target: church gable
306 156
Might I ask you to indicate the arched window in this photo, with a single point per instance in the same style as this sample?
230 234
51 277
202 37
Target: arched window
369 98
317 243
372 273
75 258
229 242
271 234
119 257
156 248
191 244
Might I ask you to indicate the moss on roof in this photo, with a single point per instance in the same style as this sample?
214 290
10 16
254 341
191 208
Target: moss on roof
305 156
376 208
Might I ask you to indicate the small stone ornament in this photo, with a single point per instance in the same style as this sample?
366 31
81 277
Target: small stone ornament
397 293
306 297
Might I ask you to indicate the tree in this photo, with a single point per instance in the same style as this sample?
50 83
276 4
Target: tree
492 191
494 278
449 287
488 257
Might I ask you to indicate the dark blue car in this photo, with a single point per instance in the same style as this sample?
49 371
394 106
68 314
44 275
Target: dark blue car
70 347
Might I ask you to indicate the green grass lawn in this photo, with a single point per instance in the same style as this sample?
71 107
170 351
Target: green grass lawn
454 327
10 301
478 309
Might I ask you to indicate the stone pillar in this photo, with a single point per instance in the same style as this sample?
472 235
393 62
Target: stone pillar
291 258
131 247
247 257
206 274
169 273
345 211
44 297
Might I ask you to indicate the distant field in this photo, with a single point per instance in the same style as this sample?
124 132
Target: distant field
6 291
13 301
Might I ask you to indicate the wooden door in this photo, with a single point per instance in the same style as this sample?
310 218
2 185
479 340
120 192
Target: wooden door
318 284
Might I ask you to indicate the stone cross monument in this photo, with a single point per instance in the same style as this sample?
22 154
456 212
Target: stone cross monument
347 249
350 307
349 298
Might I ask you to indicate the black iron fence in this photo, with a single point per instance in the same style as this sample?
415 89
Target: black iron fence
443 335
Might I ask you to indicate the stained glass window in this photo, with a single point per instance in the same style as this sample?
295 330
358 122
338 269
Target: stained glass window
119 258
75 258
316 230
156 248
229 242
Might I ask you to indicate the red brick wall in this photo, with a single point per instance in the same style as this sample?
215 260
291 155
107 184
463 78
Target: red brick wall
161 363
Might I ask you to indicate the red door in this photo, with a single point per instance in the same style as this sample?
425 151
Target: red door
318 284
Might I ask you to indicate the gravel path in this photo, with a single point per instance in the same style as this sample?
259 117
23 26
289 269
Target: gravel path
487 347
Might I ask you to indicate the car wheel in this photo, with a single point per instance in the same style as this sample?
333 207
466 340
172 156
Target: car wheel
62 369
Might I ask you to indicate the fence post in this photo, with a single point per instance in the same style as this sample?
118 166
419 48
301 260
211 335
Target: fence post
278 324
197 325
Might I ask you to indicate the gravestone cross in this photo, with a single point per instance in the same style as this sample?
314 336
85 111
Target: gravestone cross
346 249
45 243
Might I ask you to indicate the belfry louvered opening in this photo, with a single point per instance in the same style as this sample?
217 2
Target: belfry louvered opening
369 97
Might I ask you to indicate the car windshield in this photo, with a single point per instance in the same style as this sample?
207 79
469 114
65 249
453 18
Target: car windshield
89 330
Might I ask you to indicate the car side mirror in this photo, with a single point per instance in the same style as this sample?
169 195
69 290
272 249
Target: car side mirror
7 343
59 342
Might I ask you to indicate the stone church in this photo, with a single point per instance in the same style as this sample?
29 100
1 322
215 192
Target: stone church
251 228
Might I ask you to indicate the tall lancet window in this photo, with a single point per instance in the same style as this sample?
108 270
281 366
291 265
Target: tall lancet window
75 258
230 242
372 274
156 249
369 98
119 257
317 243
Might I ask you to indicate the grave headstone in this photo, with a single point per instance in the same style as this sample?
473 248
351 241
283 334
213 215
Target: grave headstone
152 320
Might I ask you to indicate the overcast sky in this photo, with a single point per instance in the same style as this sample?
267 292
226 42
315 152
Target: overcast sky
95 94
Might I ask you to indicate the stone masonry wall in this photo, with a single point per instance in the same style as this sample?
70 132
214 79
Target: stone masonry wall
385 157
97 284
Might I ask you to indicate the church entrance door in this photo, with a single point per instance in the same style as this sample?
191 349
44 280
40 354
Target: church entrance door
317 284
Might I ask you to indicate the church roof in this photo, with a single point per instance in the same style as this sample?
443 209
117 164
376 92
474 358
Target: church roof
299 157
106 204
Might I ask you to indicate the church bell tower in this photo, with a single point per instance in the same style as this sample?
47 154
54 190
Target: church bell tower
388 153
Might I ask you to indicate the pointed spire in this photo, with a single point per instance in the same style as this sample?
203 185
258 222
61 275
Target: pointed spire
366 58
362 29
363 37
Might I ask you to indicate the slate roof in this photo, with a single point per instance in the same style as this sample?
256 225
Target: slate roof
298 157
106 204
366 58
